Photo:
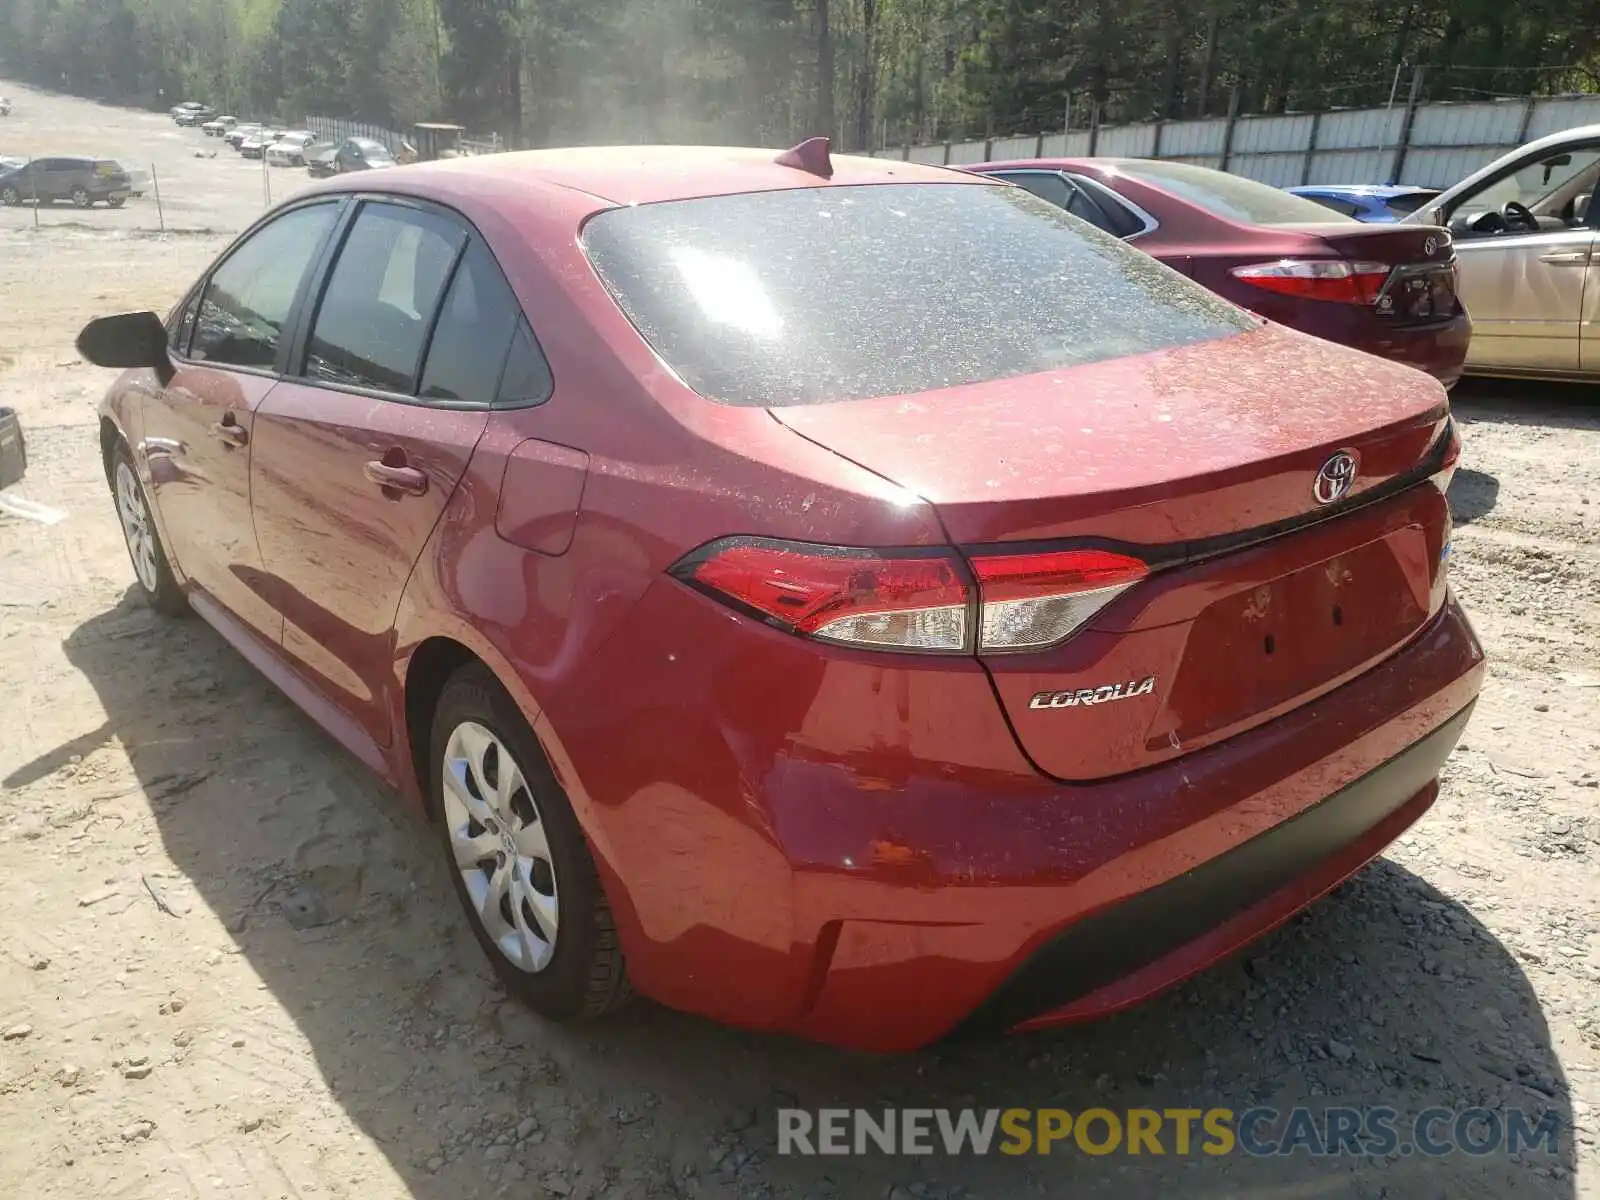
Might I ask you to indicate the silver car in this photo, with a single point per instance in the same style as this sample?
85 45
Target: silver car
1527 238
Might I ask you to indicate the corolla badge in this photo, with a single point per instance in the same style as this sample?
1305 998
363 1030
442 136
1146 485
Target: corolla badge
1335 478
1094 695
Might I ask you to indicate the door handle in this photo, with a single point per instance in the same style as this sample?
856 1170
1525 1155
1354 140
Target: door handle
1566 258
230 431
409 480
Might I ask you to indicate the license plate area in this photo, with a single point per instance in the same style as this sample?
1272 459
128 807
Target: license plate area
1267 646
1420 293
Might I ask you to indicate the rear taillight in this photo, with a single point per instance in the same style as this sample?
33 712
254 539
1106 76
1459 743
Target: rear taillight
1450 459
897 600
1333 280
1036 600
913 599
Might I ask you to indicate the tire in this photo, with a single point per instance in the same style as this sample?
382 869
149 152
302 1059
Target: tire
151 570
81 198
476 725
10 197
116 201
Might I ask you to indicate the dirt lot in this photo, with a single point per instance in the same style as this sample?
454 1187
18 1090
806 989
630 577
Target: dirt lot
230 964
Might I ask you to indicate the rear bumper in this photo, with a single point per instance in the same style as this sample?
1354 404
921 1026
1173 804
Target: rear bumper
877 866
1440 350
1088 967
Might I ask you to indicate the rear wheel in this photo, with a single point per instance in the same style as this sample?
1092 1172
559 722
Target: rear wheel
517 856
81 197
149 557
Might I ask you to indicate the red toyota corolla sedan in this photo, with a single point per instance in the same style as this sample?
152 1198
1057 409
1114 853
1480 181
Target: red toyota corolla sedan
1386 289
832 596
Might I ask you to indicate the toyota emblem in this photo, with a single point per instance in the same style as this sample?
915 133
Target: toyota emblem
1335 479
1429 245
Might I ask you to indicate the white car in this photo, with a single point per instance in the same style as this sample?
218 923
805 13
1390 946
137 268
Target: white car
1527 243
255 146
290 149
219 126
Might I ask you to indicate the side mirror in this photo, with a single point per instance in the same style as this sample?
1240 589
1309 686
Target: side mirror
128 340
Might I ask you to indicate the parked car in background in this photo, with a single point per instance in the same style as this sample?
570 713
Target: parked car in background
1527 233
11 161
362 154
188 106
320 160
1087 627
195 116
1374 203
83 181
236 136
290 149
218 126
255 145
1389 290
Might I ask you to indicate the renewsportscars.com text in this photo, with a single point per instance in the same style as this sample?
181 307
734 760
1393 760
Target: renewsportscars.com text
1256 1132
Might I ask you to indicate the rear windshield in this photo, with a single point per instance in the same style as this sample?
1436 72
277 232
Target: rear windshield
839 293
1231 197
1408 203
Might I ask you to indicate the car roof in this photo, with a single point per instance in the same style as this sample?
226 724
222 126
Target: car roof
649 174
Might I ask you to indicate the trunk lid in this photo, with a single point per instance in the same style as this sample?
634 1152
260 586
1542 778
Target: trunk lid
1421 285
1201 461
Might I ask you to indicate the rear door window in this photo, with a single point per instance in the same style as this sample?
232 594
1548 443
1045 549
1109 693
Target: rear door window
381 297
816 294
1058 190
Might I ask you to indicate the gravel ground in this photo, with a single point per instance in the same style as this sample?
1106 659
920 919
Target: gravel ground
230 964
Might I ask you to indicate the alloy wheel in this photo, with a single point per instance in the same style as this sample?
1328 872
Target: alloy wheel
500 847
136 527
80 197
10 197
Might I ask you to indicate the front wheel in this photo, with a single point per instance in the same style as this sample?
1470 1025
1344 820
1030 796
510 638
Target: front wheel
517 856
10 197
150 566
117 201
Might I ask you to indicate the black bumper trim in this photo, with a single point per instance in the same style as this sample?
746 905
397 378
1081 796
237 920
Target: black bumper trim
1115 942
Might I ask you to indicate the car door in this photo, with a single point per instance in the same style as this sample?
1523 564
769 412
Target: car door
46 177
197 431
357 454
1525 289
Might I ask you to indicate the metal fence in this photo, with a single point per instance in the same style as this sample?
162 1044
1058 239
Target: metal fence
336 129
1432 145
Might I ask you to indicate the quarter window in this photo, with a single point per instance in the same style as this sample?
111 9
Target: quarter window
380 300
247 300
526 379
474 331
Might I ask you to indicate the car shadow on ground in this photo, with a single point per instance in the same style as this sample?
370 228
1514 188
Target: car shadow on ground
1526 402
1387 993
1473 494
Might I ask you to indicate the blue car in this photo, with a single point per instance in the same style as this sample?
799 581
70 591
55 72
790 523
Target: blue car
1383 203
